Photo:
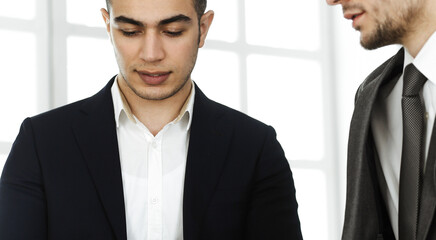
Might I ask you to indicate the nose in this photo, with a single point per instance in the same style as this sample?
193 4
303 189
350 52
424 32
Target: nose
333 2
152 48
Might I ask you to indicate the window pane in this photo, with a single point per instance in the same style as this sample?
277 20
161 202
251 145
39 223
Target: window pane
2 161
285 25
85 12
311 194
22 9
18 81
286 93
225 23
217 74
90 65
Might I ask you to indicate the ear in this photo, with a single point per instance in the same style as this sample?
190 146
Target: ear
205 22
106 19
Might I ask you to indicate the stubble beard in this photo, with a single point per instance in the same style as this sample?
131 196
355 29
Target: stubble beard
153 97
386 33
390 31
164 95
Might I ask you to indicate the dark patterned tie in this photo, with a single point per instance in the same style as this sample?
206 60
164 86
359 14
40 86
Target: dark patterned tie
413 152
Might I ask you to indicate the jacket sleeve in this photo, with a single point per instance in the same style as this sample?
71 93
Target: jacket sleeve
273 206
22 199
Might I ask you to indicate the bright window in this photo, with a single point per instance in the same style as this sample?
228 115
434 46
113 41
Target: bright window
293 65
90 65
18 9
2 160
18 91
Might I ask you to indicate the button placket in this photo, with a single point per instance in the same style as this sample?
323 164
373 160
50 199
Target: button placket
155 189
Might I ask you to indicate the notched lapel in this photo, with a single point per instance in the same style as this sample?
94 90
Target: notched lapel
208 147
95 131
368 92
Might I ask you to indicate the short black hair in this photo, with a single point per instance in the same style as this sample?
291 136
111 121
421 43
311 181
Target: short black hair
199 5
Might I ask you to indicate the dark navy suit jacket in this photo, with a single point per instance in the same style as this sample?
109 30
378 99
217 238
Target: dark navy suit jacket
62 179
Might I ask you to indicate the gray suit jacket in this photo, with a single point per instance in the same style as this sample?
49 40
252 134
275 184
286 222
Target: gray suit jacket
365 214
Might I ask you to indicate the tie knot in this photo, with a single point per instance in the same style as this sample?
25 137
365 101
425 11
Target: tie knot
413 80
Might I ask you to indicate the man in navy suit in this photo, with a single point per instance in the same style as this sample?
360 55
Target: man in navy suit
149 156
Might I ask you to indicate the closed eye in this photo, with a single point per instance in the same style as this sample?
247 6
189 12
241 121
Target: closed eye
173 34
130 33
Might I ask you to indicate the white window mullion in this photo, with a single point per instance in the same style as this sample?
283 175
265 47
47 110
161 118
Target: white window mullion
241 44
43 54
335 174
58 52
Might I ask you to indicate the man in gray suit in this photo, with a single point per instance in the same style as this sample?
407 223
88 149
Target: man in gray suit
391 187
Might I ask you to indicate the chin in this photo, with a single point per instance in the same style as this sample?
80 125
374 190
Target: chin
372 41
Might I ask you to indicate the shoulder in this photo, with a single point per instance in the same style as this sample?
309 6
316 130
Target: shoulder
242 120
61 113
207 111
64 115
374 74
389 65
229 118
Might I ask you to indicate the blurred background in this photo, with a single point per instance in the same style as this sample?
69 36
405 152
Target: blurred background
294 65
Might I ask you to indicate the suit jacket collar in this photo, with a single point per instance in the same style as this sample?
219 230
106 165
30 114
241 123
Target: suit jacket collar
362 190
96 136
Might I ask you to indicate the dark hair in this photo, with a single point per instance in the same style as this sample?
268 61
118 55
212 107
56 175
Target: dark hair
199 5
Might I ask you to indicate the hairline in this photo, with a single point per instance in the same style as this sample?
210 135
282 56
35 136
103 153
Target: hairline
199 6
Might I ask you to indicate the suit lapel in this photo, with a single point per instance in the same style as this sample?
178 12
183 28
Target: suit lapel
208 144
361 209
95 132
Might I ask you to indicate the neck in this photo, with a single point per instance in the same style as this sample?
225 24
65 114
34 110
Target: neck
155 114
420 30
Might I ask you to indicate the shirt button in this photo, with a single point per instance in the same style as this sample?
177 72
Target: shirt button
154 200
154 145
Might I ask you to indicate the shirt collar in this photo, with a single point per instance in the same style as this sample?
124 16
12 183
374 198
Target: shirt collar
188 108
121 106
425 61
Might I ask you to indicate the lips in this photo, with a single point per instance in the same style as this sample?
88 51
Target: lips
355 16
153 78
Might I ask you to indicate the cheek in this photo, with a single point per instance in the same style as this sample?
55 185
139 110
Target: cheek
186 49
187 56
124 52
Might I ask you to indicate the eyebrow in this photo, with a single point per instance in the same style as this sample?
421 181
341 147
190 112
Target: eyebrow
122 19
177 18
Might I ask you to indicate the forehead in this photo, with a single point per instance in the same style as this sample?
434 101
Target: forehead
152 10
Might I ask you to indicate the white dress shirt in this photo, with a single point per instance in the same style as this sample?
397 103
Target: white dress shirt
153 171
387 125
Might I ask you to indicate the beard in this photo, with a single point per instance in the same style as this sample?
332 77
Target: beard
391 30
184 77
161 96
386 33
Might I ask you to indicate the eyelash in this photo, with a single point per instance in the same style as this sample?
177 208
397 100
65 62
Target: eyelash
173 34
129 34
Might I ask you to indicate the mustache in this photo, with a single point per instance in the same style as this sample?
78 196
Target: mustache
352 6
